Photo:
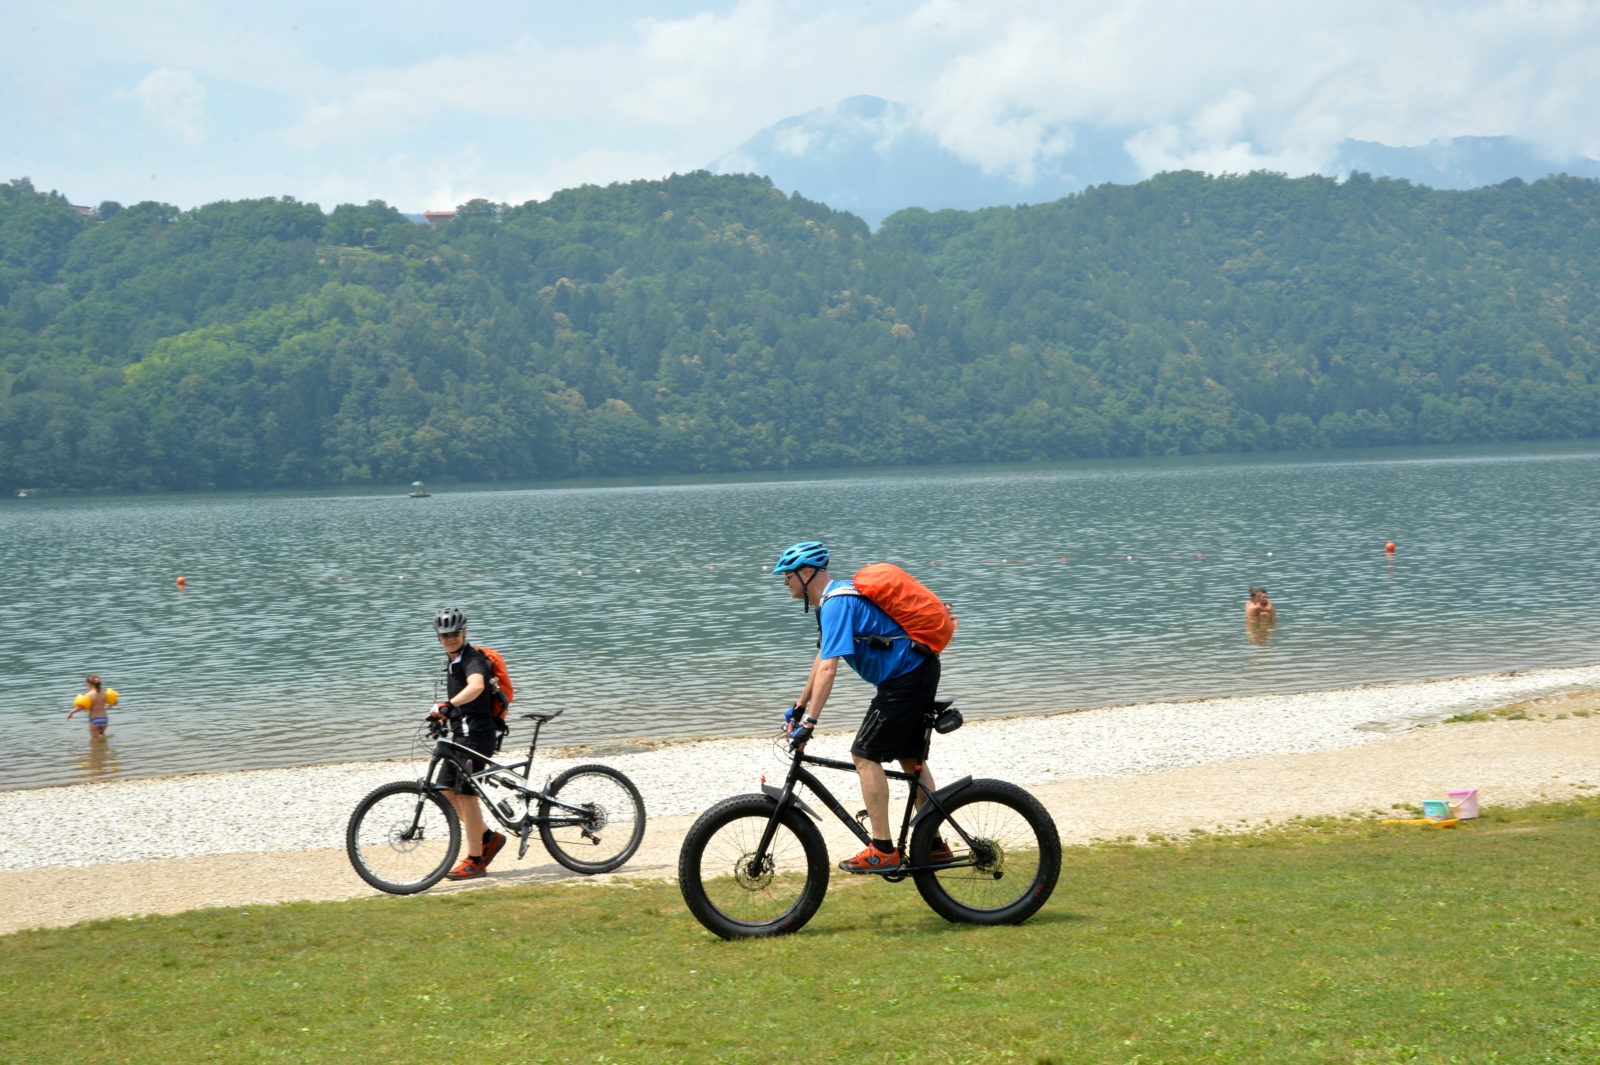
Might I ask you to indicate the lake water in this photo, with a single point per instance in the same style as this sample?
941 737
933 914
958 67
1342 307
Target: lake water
647 609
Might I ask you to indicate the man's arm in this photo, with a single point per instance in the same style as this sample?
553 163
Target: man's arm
819 686
474 688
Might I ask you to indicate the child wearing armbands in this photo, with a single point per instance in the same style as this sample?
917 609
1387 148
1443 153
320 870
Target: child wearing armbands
97 700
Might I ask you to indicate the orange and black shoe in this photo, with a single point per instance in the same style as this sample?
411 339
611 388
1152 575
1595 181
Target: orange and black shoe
941 851
872 860
470 868
491 847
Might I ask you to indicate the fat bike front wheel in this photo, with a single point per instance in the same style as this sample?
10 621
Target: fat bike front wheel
735 892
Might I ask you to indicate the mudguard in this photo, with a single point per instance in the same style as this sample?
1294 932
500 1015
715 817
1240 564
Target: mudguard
777 793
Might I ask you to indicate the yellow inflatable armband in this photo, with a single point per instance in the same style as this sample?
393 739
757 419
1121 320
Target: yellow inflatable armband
111 697
81 702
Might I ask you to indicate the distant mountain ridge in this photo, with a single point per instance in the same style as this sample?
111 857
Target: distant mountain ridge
869 156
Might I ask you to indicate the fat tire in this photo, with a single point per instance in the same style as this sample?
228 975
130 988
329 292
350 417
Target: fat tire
379 855
605 842
722 893
1015 876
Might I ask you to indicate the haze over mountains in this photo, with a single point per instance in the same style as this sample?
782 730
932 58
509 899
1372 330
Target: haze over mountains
872 157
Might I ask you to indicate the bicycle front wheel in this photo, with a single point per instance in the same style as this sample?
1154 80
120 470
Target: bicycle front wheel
591 819
402 837
1006 855
737 895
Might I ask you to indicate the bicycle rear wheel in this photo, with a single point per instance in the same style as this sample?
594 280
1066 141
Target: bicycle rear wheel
402 837
591 819
1008 869
736 896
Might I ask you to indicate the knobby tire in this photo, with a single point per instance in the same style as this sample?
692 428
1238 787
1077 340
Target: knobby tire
733 896
392 855
1008 872
609 829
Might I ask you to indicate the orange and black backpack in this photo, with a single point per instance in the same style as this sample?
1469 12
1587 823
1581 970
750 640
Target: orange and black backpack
500 690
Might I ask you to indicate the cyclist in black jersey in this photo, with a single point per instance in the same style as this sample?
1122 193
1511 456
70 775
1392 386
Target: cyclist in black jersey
470 715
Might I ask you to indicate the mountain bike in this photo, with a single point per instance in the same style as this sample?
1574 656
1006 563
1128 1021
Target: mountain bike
754 865
404 835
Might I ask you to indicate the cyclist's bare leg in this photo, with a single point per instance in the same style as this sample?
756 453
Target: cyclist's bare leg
874 795
472 826
875 791
908 764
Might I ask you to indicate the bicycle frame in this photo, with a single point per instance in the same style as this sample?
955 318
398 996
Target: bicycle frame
933 801
513 776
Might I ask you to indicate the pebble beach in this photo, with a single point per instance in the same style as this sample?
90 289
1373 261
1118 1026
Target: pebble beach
102 835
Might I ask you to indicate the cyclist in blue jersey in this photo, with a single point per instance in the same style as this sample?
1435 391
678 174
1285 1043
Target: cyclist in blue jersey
851 628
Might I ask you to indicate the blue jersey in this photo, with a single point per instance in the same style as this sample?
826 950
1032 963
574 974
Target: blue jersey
849 620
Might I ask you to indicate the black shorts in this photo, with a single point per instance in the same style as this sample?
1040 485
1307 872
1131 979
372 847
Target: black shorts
898 715
480 735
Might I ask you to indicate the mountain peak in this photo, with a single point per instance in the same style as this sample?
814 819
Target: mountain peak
872 157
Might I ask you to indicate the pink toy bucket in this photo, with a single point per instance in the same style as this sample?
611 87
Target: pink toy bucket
1465 802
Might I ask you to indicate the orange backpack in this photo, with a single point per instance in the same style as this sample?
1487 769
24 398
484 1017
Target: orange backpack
913 606
500 690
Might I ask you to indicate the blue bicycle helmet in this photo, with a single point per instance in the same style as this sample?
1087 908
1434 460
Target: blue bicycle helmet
804 553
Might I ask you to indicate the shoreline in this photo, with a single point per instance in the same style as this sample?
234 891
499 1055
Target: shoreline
1432 690
121 848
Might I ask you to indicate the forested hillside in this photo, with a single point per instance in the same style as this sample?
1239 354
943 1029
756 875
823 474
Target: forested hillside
708 323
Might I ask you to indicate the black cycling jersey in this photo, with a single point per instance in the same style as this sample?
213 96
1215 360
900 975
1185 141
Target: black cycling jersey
470 661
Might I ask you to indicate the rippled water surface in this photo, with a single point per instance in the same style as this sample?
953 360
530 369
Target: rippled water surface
303 635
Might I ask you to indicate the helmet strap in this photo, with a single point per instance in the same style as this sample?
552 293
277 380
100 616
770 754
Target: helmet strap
805 587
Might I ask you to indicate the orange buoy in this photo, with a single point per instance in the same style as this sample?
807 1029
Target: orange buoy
182 582
1389 547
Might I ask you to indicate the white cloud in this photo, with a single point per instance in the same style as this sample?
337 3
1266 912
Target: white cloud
795 141
505 97
173 101
1258 84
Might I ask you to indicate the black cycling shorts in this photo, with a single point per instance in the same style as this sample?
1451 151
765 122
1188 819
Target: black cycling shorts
478 733
898 715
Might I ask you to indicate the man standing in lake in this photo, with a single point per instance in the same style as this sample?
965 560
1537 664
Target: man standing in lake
906 675
1259 608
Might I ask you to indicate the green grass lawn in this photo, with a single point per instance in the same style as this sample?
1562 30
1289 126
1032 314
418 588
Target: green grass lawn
1338 941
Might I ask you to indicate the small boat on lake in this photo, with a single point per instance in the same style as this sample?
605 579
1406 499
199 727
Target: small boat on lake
417 491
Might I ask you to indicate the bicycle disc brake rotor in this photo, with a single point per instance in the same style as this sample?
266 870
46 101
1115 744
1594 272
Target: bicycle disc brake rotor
405 837
751 876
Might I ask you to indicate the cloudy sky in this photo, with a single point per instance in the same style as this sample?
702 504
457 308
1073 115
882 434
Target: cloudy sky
427 105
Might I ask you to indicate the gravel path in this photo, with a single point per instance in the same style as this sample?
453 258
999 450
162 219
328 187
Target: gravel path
124 848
